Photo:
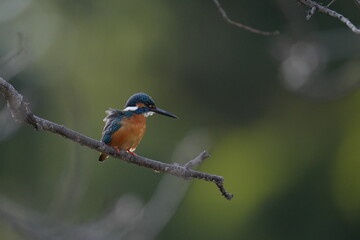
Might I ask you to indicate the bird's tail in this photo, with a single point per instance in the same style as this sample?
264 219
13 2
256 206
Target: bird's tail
102 157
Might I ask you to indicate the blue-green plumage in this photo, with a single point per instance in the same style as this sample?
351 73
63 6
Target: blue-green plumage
113 121
112 124
140 98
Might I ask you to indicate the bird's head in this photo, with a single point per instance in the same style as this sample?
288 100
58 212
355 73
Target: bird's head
143 103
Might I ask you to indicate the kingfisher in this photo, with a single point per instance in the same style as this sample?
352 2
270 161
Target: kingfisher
124 129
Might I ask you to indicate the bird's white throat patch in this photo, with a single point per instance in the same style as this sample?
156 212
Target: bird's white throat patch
148 114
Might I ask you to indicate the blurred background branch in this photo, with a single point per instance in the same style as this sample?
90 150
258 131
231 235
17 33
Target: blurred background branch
240 25
15 60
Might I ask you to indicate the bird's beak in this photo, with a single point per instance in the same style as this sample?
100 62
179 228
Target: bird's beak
163 112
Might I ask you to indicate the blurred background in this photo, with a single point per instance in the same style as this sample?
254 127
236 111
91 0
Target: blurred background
278 114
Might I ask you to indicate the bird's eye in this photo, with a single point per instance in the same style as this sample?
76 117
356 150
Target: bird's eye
151 106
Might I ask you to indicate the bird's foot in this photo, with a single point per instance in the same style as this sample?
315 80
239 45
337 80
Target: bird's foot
117 149
132 153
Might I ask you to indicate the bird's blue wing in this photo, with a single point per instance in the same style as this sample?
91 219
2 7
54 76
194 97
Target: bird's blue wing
111 124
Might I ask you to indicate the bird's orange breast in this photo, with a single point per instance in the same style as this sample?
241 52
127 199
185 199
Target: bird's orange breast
130 133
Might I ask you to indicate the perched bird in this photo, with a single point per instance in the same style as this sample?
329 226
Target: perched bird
124 129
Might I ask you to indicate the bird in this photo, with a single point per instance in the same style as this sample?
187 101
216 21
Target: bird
125 128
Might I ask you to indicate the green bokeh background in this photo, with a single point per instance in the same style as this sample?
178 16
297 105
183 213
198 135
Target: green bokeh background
290 156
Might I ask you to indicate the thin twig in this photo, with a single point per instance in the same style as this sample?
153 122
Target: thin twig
328 11
198 160
312 11
357 3
240 25
329 4
21 112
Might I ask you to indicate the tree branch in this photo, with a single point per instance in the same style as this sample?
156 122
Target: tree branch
240 25
21 112
325 9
